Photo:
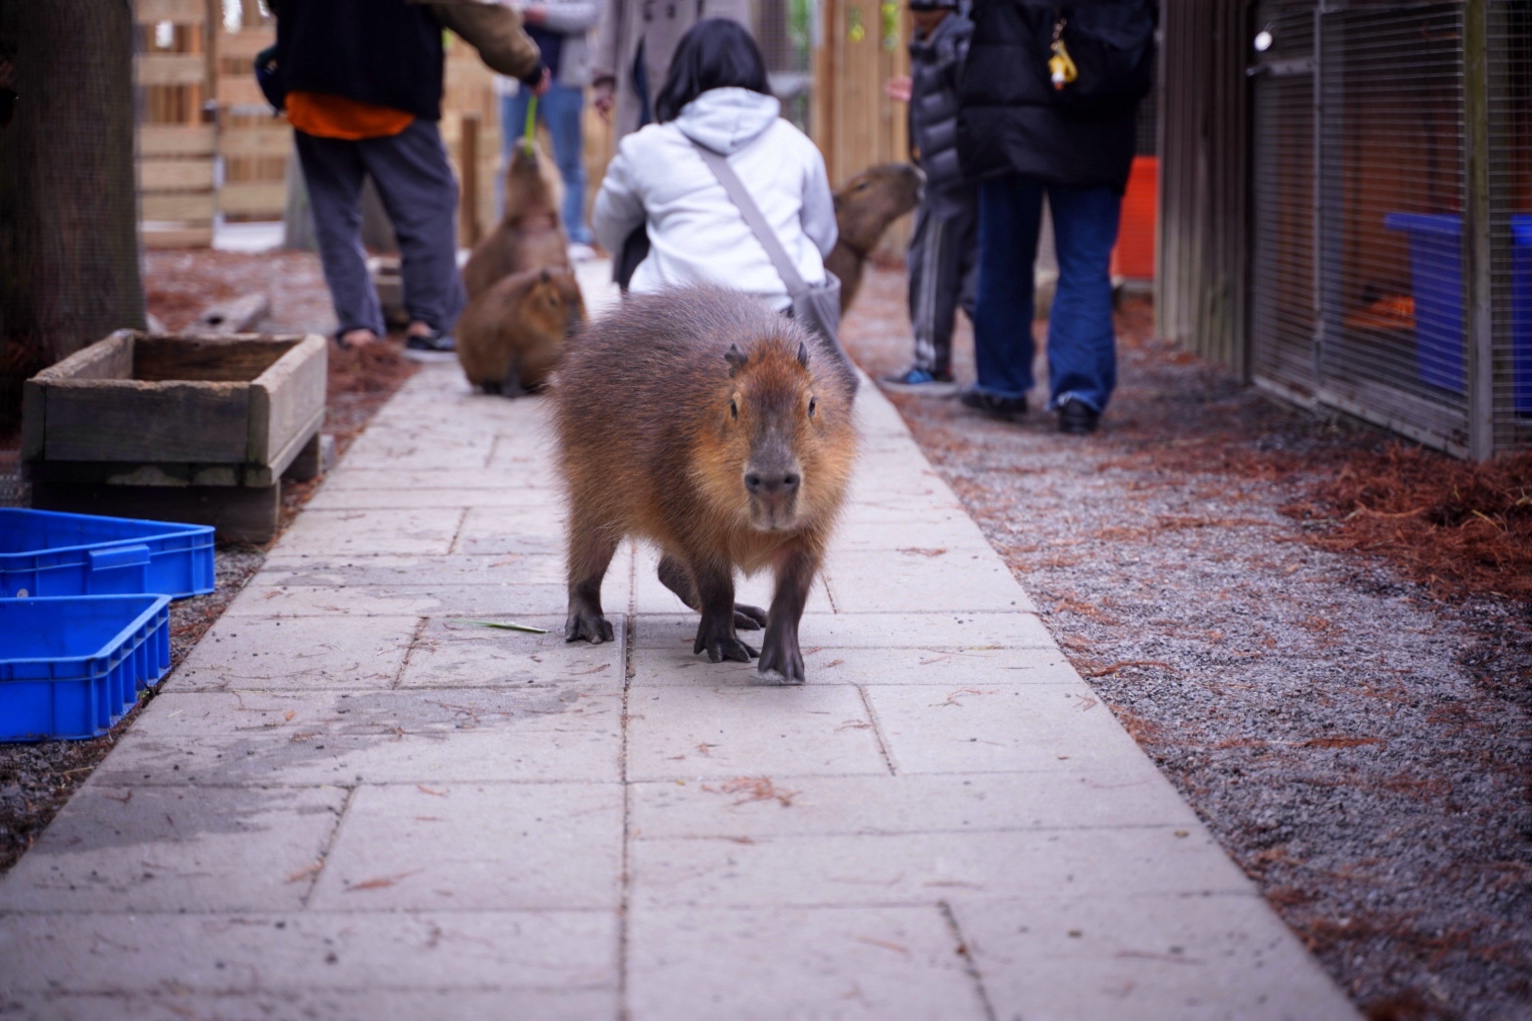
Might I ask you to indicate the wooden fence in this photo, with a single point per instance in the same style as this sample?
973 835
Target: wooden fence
176 144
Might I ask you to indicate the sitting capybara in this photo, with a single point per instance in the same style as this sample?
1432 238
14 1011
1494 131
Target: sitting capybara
703 422
510 337
864 207
530 234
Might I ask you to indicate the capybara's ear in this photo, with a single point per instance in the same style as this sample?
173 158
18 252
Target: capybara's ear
803 354
736 359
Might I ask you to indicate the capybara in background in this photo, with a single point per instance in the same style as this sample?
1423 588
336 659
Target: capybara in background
864 207
510 337
701 421
530 234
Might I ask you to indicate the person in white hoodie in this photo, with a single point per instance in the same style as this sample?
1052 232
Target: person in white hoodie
716 95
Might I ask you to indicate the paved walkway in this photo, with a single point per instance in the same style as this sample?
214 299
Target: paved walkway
352 802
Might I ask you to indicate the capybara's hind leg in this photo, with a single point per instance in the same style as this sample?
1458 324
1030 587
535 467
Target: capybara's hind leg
780 653
591 549
674 577
715 633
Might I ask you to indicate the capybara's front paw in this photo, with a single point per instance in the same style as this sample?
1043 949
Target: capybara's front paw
749 618
720 644
781 658
589 625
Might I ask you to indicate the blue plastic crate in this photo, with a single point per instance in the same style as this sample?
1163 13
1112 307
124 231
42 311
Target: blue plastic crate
70 667
1436 276
47 553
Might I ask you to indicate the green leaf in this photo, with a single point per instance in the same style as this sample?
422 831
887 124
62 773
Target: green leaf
504 626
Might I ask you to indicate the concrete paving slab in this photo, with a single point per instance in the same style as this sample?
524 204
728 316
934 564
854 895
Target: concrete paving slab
980 729
390 569
332 652
922 579
923 868
953 535
967 631
407 449
495 600
1188 957
955 669
538 731
319 1005
871 963
680 733
115 849
503 846
347 479
760 808
274 951
452 654
505 529
432 496
426 531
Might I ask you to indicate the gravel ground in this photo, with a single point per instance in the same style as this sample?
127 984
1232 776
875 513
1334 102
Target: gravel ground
1360 747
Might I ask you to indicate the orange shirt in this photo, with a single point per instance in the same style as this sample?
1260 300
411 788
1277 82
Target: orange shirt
327 116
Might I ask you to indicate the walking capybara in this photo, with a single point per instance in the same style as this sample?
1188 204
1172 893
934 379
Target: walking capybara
510 337
530 234
864 207
703 422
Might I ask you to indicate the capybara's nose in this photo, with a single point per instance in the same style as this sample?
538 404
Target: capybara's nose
766 483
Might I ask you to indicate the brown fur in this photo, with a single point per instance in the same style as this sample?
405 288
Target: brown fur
530 234
864 207
510 337
702 422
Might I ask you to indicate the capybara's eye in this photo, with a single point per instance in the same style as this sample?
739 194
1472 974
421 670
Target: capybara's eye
733 408
813 401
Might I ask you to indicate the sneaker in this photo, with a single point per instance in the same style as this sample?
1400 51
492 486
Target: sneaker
1006 408
1077 418
917 380
430 347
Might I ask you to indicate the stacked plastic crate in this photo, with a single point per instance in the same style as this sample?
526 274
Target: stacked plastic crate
85 618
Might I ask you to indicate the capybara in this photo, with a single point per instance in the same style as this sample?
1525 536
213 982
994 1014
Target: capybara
530 235
510 337
701 421
864 207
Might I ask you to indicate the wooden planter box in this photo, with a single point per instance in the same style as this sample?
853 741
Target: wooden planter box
182 428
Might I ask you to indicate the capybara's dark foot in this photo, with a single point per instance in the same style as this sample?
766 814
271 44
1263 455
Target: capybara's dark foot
589 625
489 386
781 658
749 618
720 645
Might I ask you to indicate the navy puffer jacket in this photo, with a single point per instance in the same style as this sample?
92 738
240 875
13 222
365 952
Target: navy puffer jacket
1009 121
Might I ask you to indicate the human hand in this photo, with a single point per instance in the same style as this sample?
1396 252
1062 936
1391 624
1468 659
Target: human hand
602 99
899 88
534 14
541 88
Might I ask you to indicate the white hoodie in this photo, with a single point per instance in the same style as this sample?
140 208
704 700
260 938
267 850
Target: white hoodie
696 233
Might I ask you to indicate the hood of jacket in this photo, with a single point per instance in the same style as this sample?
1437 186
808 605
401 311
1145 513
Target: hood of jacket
727 120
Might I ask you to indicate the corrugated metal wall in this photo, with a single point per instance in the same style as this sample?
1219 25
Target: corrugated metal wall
1200 294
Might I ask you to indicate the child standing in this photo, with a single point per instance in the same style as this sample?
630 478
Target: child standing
943 255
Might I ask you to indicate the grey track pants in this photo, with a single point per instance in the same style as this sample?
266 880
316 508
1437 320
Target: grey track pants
943 266
419 194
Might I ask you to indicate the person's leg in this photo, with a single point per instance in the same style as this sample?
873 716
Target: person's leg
561 109
1010 213
420 195
966 238
921 262
1082 347
333 173
955 276
513 121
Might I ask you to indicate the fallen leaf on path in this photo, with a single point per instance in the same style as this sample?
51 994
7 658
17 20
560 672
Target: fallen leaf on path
305 872
503 625
422 788
380 882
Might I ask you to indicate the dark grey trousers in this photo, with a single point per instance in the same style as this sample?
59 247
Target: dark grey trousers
943 264
419 194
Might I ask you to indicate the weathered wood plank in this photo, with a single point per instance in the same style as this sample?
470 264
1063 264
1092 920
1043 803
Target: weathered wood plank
175 140
242 91
177 206
238 513
133 420
170 68
235 359
238 315
284 397
245 44
182 12
249 197
175 174
108 358
276 140
178 237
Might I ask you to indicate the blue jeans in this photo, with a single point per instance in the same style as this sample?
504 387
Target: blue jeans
1082 347
560 109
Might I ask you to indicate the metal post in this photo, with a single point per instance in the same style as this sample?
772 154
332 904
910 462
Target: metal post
1478 275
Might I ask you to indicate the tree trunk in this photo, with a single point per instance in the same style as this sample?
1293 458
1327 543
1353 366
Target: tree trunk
69 250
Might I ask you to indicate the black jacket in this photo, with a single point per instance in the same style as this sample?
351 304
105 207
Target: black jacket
1010 122
385 52
936 62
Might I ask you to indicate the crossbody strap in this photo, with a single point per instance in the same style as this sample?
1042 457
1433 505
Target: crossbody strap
735 188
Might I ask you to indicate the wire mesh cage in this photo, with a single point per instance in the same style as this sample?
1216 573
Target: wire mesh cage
1392 214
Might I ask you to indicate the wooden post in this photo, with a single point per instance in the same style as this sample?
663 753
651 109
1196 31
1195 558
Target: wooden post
468 163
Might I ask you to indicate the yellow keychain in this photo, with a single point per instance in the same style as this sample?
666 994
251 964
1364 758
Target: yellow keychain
1061 68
